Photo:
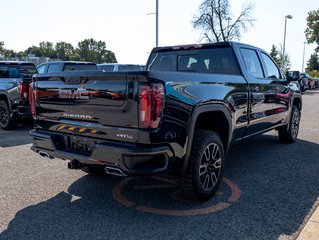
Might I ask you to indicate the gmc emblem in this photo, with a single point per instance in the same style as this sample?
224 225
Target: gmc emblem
74 94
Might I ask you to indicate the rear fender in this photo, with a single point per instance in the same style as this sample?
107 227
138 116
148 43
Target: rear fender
218 108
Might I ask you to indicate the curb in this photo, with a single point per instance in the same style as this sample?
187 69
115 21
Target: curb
311 228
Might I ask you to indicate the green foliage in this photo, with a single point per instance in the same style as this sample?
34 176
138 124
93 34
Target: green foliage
313 62
313 73
65 51
91 50
217 24
276 54
1 47
87 50
312 30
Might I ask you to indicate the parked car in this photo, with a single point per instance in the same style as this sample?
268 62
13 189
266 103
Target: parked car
180 115
301 78
15 78
316 82
65 66
311 81
115 67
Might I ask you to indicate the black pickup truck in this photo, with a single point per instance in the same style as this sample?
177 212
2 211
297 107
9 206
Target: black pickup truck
15 78
178 116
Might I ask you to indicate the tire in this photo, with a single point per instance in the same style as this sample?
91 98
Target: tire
93 170
289 133
6 122
204 171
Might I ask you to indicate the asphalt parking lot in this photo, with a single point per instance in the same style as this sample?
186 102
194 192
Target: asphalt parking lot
268 192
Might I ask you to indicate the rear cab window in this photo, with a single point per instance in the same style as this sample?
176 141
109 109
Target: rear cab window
219 60
16 71
68 67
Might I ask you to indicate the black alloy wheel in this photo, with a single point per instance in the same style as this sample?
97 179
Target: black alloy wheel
204 172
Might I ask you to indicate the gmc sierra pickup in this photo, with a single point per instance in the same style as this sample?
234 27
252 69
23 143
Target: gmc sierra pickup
178 116
15 78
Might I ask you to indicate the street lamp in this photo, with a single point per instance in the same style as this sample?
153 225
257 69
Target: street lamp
303 56
283 49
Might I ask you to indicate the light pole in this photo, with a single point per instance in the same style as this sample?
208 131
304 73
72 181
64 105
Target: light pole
156 27
283 49
303 56
156 23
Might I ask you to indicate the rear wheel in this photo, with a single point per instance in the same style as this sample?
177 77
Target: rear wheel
6 122
289 133
204 172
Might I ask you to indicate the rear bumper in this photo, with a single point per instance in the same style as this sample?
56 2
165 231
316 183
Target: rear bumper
22 111
132 159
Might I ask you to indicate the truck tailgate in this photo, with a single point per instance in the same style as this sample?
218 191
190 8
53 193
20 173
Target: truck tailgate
87 103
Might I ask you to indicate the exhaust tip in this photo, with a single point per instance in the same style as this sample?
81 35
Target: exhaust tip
45 154
115 171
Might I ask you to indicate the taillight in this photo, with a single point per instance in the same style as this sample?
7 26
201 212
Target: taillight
32 98
151 103
23 90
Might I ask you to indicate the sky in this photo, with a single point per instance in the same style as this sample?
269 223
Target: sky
129 31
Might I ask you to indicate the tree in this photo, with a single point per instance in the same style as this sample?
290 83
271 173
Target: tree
274 53
214 19
312 30
1 47
65 51
47 50
95 51
277 56
313 62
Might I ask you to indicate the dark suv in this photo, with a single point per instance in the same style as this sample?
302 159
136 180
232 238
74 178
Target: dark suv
15 78
66 66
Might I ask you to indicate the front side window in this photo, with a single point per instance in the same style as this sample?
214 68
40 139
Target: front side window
252 62
271 69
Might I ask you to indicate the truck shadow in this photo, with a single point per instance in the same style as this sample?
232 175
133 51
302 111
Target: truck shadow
18 136
278 185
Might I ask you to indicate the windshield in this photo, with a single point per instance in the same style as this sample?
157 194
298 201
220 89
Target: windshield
16 71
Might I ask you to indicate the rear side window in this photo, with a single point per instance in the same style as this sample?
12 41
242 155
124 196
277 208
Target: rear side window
214 60
79 67
252 62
